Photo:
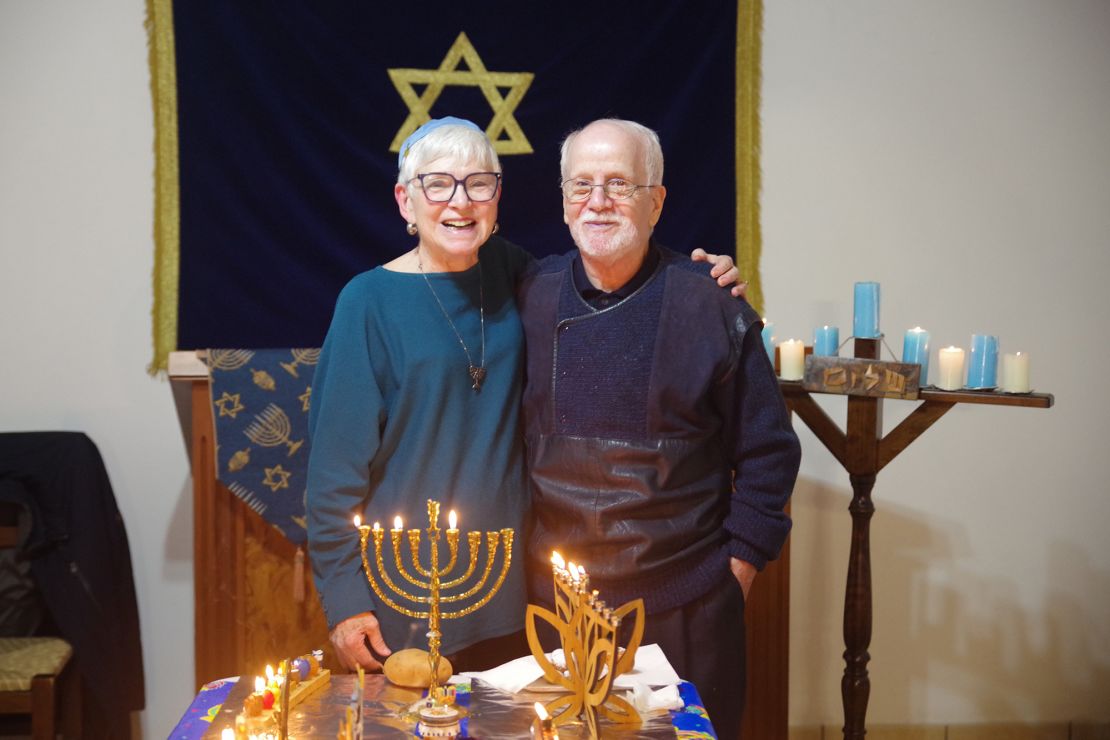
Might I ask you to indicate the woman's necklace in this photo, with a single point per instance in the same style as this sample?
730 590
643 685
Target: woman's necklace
477 374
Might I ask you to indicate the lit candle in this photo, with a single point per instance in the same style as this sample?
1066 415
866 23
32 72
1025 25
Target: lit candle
259 684
982 368
1015 372
543 728
915 351
792 359
950 368
769 339
227 733
557 560
358 521
452 521
865 316
377 526
398 525
826 341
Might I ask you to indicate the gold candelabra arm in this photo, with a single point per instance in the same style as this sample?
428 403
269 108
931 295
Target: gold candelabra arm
364 531
474 543
491 543
414 553
395 541
453 552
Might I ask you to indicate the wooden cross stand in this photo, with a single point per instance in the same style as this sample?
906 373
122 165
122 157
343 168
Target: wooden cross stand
863 451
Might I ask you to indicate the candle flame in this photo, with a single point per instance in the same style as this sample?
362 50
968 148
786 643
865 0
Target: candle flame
269 674
541 712
227 734
397 523
377 526
917 329
581 571
358 521
259 684
573 569
557 559
452 519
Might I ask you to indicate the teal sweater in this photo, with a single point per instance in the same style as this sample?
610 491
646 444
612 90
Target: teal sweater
395 422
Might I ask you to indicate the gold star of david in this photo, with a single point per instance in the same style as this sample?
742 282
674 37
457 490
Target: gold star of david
276 477
229 404
476 75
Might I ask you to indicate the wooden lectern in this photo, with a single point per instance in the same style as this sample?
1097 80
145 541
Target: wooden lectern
244 576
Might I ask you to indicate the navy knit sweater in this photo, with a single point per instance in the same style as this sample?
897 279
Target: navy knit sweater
659 442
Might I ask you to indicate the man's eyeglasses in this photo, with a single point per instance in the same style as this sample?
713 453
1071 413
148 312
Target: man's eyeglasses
440 187
577 190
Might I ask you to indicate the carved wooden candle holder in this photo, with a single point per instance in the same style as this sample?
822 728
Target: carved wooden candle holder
589 635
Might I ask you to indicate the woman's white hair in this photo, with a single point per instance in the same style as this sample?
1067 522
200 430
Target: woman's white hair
457 143
649 144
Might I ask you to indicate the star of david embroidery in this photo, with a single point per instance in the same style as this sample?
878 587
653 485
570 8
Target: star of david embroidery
503 130
229 404
276 477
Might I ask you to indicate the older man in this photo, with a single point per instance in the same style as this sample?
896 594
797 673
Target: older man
661 451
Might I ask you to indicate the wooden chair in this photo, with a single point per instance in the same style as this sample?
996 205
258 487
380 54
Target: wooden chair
29 671
31 666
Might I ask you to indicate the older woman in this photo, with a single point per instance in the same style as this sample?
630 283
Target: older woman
417 396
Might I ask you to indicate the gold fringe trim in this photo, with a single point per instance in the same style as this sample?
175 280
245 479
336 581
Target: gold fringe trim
167 216
749 78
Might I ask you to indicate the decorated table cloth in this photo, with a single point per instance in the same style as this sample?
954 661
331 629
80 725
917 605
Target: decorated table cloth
488 713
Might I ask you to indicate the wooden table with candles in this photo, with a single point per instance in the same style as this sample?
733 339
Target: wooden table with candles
863 451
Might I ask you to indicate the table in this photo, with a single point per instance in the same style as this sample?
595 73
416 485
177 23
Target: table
863 451
492 713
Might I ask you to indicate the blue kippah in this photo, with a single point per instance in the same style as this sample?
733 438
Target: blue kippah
428 128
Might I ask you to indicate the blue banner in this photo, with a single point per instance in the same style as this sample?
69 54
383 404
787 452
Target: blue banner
289 114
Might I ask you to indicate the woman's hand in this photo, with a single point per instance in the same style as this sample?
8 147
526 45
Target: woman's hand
724 270
350 640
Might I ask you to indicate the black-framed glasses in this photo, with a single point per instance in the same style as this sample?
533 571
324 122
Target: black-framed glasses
577 190
440 187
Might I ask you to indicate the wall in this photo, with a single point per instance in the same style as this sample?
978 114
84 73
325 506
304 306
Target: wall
953 151
75 263
957 153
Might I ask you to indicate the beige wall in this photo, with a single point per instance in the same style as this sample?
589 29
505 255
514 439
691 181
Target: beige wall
957 152
954 151
75 265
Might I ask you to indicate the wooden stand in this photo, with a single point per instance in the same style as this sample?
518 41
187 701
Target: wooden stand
863 451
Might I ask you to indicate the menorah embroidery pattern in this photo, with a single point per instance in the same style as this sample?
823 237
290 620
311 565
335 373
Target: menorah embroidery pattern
271 428
260 408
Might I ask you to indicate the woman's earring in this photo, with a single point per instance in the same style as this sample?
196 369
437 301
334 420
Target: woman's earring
411 228
496 227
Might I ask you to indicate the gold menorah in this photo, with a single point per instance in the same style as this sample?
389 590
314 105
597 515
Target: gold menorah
434 586
272 428
589 635
301 357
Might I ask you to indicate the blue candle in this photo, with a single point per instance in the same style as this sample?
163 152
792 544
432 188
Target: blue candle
769 339
865 318
915 350
982 371
826 341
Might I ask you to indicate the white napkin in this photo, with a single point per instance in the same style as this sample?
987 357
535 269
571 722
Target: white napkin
650 668
645 700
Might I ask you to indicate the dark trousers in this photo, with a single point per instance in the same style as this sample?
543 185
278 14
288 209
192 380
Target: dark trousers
704 641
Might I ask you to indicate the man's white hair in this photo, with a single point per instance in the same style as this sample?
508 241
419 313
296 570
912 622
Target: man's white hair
649 144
